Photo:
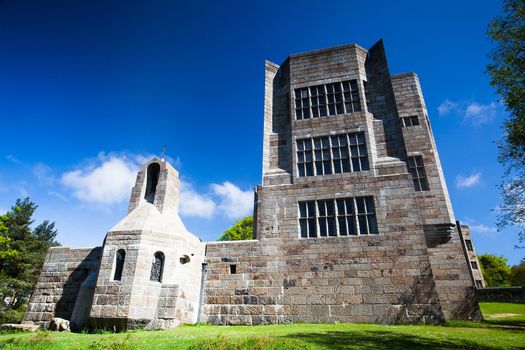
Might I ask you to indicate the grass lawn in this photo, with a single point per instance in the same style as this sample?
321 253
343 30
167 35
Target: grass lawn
506 313
456 335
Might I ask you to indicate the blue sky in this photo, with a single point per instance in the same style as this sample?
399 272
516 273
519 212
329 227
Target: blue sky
89 89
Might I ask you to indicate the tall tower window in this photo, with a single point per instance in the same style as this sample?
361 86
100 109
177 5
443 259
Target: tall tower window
157 267
417 169
336 154
152 181
119 264
328 99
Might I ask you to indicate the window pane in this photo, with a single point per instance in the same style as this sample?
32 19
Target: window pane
343 231
360 202
304 228
363 230
302 209
372 224
352 230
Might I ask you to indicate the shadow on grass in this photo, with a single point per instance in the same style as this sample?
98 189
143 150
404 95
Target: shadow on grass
379 340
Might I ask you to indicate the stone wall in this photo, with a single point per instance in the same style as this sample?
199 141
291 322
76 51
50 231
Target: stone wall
58 286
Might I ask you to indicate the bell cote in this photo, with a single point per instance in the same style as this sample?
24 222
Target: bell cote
157 184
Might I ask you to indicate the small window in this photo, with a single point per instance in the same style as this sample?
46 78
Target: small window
157 267
152 181
412 120
416 168
119 264
479 284
474 265
233 269
468 243
184 259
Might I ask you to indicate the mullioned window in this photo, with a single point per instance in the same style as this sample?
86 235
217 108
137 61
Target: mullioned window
334 154
337 217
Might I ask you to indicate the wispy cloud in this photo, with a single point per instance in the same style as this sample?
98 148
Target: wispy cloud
13 159
446 107
481 229
472 112
468 181
58 195
233 202
44 174
195 204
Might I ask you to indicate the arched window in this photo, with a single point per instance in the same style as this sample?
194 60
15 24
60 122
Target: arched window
119 264
152 181
157 267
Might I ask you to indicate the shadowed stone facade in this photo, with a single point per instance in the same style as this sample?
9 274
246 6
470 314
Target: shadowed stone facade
353 221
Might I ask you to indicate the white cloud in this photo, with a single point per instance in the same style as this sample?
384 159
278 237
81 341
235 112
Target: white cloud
479 114
3 211
468 181
446 107
195 204
482 229
106 180
472 112
233 202
44 174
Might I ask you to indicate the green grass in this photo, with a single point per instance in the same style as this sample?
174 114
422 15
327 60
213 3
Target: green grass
493 312
496 333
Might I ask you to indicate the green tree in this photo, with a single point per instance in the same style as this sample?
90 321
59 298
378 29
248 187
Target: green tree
241 230
495 270
507 74
517 274
5 247
19 271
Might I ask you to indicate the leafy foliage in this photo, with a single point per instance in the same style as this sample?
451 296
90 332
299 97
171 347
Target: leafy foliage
507 73
5 247
241 230
495 269
517 275
20 264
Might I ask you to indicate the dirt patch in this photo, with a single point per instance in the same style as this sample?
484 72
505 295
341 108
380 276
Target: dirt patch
504 315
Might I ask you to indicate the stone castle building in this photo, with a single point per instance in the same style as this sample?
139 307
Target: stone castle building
353 220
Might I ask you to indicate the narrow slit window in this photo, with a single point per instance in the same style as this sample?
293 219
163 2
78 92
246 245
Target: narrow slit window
120 256
233 269
474 265
417 169
468 243
157 267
